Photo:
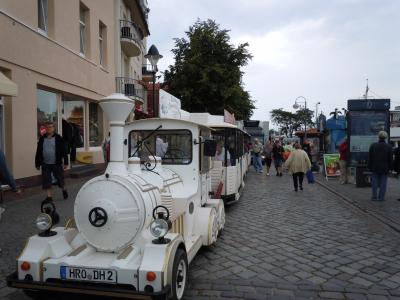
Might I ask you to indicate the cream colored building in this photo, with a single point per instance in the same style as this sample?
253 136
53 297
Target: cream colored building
57 58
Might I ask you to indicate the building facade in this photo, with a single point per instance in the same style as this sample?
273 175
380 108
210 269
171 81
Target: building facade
64 56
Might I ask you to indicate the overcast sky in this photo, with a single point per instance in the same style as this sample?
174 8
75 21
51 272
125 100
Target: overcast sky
320 49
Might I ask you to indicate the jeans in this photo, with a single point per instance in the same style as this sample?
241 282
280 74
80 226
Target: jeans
257 163
343 171
5 174
379 181
298 180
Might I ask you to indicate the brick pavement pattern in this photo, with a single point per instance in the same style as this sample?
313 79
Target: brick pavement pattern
388 210
277 244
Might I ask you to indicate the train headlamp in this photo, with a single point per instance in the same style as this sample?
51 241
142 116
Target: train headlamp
43 222
160 225
47 218
159 228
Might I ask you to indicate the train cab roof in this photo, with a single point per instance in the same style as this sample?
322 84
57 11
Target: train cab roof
213 121
182 123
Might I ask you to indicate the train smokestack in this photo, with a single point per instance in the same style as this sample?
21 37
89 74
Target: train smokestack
117 108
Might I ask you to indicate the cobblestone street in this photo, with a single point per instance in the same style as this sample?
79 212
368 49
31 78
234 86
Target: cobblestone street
277 244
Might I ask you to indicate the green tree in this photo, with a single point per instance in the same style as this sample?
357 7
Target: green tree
285 120
304 115
207 74
289 122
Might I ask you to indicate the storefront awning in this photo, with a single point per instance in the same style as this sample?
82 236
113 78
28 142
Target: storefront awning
7 87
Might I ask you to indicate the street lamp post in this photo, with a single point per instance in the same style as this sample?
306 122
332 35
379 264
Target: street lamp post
153 56
316 112
296 105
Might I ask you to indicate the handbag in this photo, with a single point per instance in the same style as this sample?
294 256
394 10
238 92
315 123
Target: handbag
310 177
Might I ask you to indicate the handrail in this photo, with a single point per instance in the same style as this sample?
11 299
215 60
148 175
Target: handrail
130 30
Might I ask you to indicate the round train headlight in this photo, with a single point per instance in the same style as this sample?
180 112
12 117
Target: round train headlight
159 228
43 222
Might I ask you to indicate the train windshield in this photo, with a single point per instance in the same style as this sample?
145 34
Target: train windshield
173 146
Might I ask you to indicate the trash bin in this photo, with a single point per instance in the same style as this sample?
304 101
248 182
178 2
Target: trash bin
363 177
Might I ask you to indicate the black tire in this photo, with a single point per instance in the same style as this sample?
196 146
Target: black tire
180 258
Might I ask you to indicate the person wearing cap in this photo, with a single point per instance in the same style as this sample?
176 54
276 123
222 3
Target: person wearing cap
380 163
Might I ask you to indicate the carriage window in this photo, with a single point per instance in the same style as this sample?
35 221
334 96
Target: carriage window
173 146
205 161
240 143
221 153
231 144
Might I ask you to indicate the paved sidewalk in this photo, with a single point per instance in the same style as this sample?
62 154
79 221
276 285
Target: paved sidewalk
277 244
387 211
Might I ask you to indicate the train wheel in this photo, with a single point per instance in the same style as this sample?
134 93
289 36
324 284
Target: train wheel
221 218
180 274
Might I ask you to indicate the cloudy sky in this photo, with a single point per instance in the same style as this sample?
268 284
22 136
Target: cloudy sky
320 49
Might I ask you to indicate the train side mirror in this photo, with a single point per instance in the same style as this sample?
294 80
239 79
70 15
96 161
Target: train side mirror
210 147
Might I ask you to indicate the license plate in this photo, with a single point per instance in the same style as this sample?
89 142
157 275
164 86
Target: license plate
88 274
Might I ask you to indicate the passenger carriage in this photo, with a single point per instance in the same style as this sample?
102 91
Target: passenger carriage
232 159
137 227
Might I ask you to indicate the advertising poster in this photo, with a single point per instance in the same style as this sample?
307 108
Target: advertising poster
331 164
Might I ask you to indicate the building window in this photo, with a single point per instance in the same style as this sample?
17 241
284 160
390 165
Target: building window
43 13
96 134
46 110
102 43
83 28
74 113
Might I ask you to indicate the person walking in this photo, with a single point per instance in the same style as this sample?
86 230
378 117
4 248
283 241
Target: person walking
277 153
268 155
5 175
298 164
307 148
6 178
50 156
257 160
380 163
396 163
343 162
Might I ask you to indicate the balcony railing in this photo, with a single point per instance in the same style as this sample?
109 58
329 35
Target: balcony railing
131 38
130 88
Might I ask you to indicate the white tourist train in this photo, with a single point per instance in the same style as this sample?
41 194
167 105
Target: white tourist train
137 227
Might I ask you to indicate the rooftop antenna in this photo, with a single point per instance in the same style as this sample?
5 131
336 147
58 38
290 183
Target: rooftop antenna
366 91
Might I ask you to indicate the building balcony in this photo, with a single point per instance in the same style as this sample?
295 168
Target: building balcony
130 88
131 38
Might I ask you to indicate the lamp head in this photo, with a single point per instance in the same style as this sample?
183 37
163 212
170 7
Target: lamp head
153 56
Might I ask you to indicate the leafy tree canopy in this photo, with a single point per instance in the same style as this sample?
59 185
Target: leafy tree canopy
207 74
289 122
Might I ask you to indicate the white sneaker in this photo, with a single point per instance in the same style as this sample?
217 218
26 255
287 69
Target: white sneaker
267 174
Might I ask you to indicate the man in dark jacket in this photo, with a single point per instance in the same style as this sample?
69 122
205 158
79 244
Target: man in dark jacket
50 155
380 163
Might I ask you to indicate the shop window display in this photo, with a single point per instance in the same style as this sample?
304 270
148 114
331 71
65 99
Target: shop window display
74 114
46 110
96 134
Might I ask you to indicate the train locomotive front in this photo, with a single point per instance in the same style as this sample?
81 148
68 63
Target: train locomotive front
133 234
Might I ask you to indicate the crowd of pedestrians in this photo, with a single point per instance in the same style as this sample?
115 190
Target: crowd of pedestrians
297 160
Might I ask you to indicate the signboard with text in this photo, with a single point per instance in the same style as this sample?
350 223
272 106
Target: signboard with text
365 119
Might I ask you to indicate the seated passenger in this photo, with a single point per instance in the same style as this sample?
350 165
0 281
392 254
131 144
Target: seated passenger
220 153
161 147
